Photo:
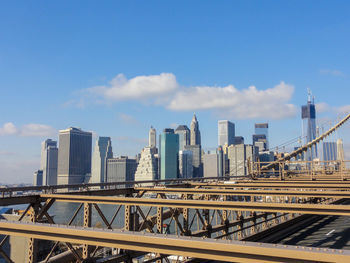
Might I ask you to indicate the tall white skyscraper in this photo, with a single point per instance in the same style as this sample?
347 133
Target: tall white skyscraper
340 150
102 152
152 138
226 133
49 159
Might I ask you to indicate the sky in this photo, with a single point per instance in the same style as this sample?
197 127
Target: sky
117 67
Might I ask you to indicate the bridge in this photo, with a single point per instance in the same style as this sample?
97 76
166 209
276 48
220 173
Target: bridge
284 211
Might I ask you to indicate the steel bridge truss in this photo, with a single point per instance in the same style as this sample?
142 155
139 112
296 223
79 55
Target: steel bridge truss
180 213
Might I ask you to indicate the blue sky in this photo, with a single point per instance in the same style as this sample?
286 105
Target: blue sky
246 61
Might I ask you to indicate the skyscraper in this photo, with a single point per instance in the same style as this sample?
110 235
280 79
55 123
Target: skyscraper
169 149
195 133
38 178
226 132
152 138
329 151
185 164
263 128
49 159
74 156
308 115
184 136
102 152
340 150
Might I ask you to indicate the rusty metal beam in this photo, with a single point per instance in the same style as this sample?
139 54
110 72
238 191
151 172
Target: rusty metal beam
224 250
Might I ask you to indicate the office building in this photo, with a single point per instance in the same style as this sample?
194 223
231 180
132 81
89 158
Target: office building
340 150
239 156
152 138
102 152
184 136
226 133
260 141
211 164
263 128
169 149
121 169
308 115
195 133
38 178
185 164
239 140
74 156
49 161
147 168
196 159
329 151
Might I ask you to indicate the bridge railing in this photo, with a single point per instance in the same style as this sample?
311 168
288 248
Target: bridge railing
334 169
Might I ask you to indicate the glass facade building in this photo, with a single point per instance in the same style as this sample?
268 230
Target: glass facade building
226 133
169 149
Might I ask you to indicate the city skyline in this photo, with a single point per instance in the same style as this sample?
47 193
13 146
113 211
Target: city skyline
88 70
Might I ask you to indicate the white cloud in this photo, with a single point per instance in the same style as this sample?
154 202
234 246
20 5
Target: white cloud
322 107
8 129
128 119
164 90
343 109
333 72
239 104
139 88
31 129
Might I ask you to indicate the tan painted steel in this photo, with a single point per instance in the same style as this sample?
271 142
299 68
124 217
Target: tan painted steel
320 209
233 251
248 192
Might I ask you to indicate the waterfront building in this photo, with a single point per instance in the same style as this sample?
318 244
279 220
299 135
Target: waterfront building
121 169
226 133
185 164
102 152
74 156
38 178
308 115
49 161
195 133
152 138
184 136
169 149
147 168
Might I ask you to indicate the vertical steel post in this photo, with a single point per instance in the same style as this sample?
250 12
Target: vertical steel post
87 223
32 243
187 231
